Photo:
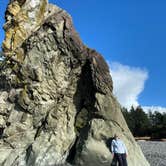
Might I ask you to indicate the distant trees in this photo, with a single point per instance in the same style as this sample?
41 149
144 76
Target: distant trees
1 56
158 124
145 124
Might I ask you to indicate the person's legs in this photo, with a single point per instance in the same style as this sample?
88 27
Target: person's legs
119 159
114 161
124 159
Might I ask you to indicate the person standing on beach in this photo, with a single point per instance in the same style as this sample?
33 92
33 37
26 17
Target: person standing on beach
119 150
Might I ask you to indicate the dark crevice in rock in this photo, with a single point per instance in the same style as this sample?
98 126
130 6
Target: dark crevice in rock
84 100
21 2
85 85
5 114
42 127
78 144
83 136
72 152
8 124
18 107
28 153
1 132
5 84
7 142
38 131
96 115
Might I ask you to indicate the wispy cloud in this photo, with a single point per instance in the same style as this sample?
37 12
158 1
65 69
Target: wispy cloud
128 83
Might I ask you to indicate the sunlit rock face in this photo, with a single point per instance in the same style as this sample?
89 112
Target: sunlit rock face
56 102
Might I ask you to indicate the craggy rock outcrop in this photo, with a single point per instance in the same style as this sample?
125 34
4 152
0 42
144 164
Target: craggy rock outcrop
56 102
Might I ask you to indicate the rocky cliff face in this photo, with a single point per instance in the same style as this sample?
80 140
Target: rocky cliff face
56 102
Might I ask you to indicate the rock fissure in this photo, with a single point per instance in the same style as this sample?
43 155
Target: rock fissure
72 152
28 153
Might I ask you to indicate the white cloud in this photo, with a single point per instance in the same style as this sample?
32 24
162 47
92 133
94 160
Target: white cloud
128 83
154 108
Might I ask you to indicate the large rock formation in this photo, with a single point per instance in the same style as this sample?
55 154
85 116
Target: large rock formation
56 102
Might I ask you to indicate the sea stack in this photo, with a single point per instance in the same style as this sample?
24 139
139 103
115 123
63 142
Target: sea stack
56 101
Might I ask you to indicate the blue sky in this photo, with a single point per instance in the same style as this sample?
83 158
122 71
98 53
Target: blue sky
131 33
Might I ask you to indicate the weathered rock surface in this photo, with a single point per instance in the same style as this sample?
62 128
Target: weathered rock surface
56 102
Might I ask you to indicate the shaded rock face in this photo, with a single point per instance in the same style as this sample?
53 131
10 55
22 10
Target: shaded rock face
56 102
